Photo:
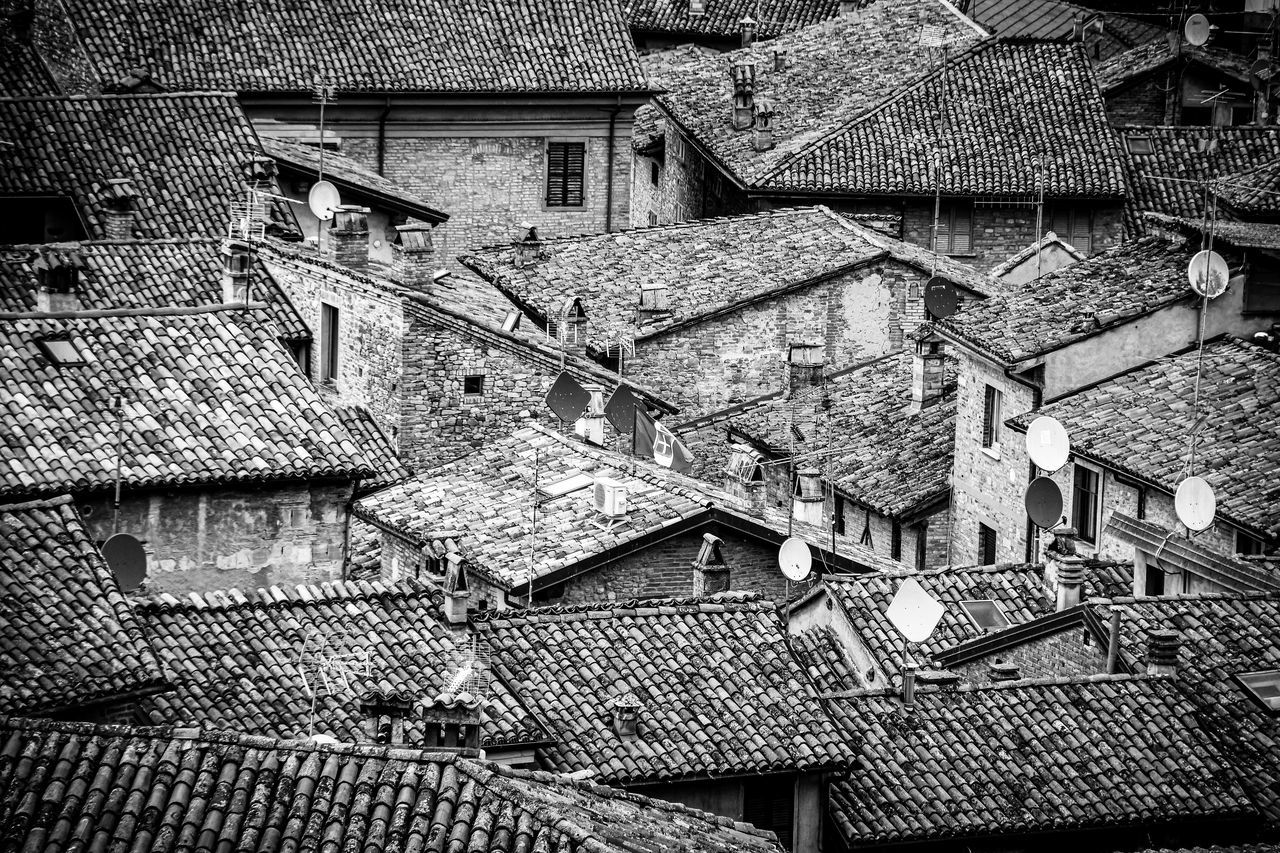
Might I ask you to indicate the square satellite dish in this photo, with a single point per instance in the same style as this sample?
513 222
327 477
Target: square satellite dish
914 612
621 409
567 398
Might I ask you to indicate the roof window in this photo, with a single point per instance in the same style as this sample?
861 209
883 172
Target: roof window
744 465
1139 144
571 484
1264 687
986 614
64 352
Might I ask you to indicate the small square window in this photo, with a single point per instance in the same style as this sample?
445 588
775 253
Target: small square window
473 386
986 614
1264 687
1140 145
63 352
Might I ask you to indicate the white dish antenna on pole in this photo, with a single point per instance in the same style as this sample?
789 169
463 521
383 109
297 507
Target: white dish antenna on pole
1197 30
323 199
1208 274
794 559
1195 504
1048 444
914 612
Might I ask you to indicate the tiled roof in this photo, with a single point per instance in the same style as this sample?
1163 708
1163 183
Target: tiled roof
22 73
1019 590
1050 239
822 656
1244 235
1030 756
879 47
1007 104
1139 422
184 154
380 46
209 396
80 785
720 692
892 461
70 637
1253 192
1217 848
1069 304
1222 636
710 266
364 185
375 446
234 658
1055 20
1126 66
170 273
723 18
648 129
1166 180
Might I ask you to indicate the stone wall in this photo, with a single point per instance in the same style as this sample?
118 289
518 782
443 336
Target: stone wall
688 187
1144 102
203 539
646 196
1074 652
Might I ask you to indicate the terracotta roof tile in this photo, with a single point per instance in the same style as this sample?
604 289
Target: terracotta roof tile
1055 20
1244 235
721 692
822 656
166 791
1254 192
209 396
375 445
430 46
71 638
23 73
1144 58
723 18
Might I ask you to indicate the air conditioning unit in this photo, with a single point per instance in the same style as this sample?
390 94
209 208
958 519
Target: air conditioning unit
610 498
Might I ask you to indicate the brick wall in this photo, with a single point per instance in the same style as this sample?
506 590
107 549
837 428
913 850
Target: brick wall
688 186
646 197
1145 102
1073 652
204 539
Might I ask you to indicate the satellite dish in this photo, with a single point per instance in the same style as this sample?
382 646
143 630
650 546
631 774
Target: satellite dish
1047 443
1044 502
914 612
621 409
1195 504
126 559
1197 30
795 559
567 398
323 199
1262 69
940 298
1208 274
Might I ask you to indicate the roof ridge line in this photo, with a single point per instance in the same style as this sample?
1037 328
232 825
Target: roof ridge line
103 313
234 598
733 601
37 503
141 96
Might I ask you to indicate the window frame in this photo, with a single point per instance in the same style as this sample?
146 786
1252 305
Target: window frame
992 403
947 218
472 396
53 355
1072 233
1246 679
1256 547
564 202
1095 513
330 343
995 607
986 545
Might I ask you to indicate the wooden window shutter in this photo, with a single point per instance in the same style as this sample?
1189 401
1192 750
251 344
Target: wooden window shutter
961 229
566 164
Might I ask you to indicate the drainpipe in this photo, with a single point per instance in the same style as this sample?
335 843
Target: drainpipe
382 136
608 181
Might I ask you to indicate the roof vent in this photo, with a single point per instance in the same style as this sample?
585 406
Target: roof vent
744 88
1002 671
779 60
849 7
528 249
697 8
626 714
1162 652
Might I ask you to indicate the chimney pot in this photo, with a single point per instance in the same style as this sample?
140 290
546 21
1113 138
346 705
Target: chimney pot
779 60
1002 671
260 169
58 269
451 723
413 255
1064 569
235 272
744 87
456 593
806 505
710 573
697 8
528 249
626 714
349 236
1162 652
748 30
762 134
384 715
908 687
928 373
848 7
119 203
591 425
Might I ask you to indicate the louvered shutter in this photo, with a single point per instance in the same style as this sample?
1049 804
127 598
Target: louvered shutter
961 230
566 163
770 804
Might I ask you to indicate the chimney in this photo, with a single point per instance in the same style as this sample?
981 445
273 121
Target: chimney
413 255
384 715
235 272
1002 671
451 723
779 60
1064 569
119 204
626 714
655 301
591 425
806 504
349 236
804 367
762 135
928 373
456 594
259 170
1162 653
744 87
528 249
57 267
710 573
849 7
697 8
748 30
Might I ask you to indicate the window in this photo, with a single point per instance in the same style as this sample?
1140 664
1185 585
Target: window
472 386
895 541
328 343
676 147
1246 544
955 229
62 352
986 546
922 544
1140 145
1084 503
655 298
1075 227
837 513
1155 581
1242 114
1262 282
1197 116
653 219
744 465
991 418
655 173
571 484
769 804
565 166
986 614
1264 687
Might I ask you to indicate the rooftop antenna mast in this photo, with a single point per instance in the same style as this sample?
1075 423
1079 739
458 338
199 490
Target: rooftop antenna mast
324 90
935 38
1040 182
325 666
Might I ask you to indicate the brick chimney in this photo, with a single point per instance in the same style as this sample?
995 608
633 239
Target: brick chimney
807 503
744 88
456 594
591 425
349 236
259 169
625 711
805 365
779 60
1162 652
710 572
384 715
928 373
413 255
999 671
762 134
697 8
849 7
528 249
748 24
451 723
119 209
235 272
57 267
1064 569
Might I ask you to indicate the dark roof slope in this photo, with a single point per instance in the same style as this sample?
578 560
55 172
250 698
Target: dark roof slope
70 637
1030 756
235 658
376 447
720 692
209 396
1055 20
1140 423
1124 67
163 790
379 46
171 273
723 18
1004 106
184 154
1253 192
22 74
1073 303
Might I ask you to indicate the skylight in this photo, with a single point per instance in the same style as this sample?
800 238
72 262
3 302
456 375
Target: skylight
61 351
986 614
1263 686
566 486
1140 145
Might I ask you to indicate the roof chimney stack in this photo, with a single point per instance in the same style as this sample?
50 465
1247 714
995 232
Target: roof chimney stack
710 573
928 373
697 8
456 594
235 272
57 268
849 7
1002 671
591 425
1064 569
528 248
744 87
779 60
119 206
413 255
806 504
748 30
349 236
762 134
626 715
451 723
1162 652
804 367
384 715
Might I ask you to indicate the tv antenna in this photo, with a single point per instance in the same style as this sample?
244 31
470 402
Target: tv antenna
323 91
471 668
328 667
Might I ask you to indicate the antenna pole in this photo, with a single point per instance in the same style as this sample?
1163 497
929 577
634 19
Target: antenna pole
1039 215
117 402
533 531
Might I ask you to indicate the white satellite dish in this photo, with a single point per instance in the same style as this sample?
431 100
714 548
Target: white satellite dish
914 612
1208 274
1047 443
1195 504
323 199
794 559
1197 30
